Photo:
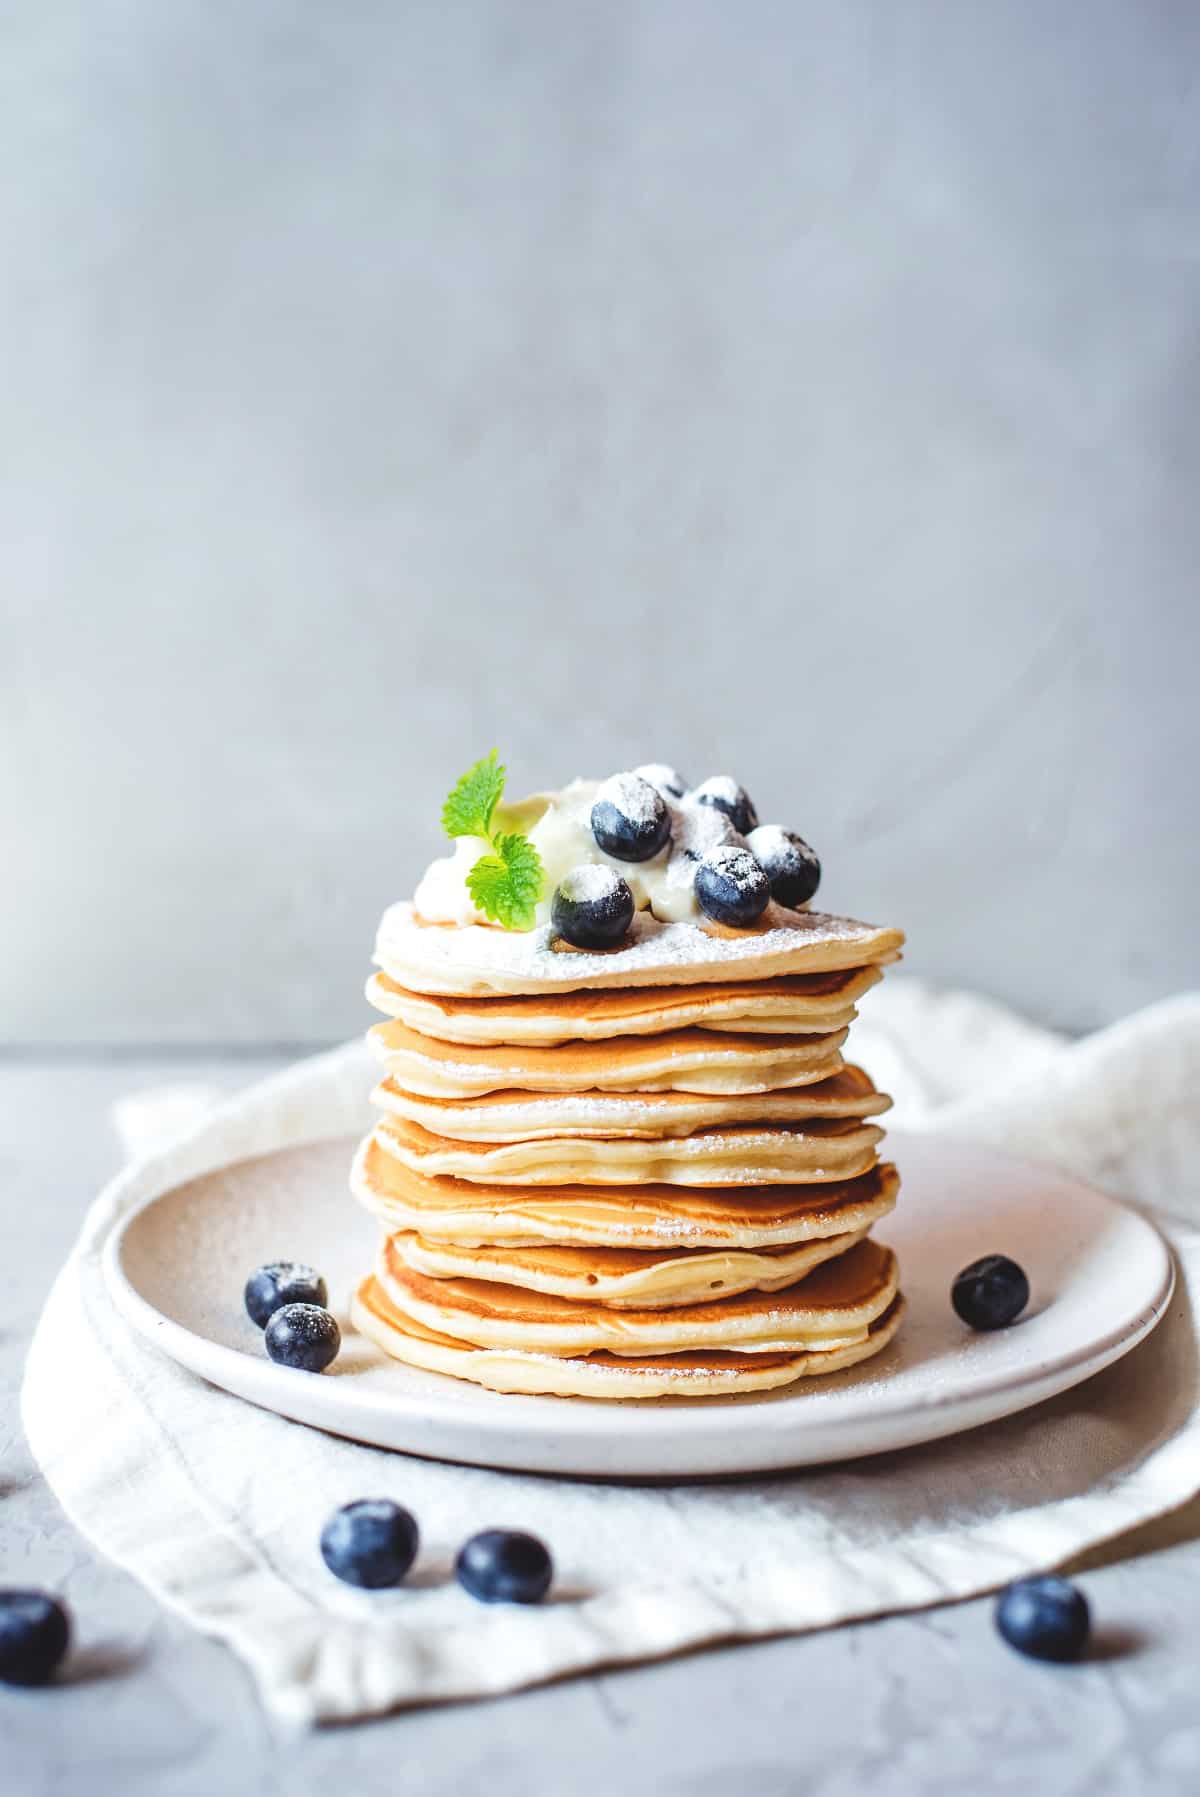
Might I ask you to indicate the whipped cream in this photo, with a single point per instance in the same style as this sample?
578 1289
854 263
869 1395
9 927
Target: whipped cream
559 826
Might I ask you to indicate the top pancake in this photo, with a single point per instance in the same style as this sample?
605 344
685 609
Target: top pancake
794 1004
477 959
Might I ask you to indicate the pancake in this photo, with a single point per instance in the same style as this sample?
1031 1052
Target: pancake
477 959
750 1154
625 1278
679 1061
832 1308
528 1117
602 1375
649 1216
816 1003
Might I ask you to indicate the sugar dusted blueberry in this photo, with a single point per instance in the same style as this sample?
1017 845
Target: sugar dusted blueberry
1047 1618
731 887
665 780
990 1293
282 1282
304 1336
729 797
370 1543
34 1634
630 820
504 1566
787 861
592 907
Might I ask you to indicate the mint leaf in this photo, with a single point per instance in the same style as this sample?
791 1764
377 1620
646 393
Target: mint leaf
507 884
468 810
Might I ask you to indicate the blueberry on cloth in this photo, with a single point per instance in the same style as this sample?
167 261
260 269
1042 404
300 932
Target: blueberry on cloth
371 1543
34 1632
592 907
727 796
991 1292
303 1336
630 820
666 780
503 1566
1047 1618
787 861
282 1282
731 887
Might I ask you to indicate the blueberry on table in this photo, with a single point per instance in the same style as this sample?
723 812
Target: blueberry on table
666 780
726 795
34 1632
282 1282
592 907
731 887
630 820
304 1336
991 1292
370 1543
1047 1618
787 861
503 1566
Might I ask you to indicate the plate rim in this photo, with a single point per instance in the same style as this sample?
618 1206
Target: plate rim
604 1423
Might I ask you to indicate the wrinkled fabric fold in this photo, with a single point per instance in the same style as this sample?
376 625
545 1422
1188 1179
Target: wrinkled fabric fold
215 1506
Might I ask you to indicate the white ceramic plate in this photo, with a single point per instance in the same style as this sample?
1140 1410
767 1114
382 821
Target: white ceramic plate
1101 1278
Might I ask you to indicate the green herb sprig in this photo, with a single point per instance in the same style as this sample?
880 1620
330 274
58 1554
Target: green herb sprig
506 883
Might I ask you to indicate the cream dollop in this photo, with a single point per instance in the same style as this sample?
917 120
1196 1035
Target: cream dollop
559 826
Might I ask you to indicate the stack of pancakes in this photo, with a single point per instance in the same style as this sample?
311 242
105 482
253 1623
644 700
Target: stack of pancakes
632 1173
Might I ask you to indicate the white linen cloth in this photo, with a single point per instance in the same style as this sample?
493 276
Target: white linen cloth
216 1506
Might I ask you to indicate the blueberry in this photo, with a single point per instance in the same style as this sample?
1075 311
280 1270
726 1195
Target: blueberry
502 1566
371 1543
282 1282
665 780
593 907
304 1336
630 820
990 1292
731 887
1046 1618
787 861
34 1632
727 796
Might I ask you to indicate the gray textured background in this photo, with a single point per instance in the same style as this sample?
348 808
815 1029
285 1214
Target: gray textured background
805 391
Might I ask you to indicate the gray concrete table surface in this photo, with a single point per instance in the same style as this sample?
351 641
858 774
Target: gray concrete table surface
919 1704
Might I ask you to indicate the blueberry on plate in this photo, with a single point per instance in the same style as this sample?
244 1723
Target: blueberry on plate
1047 1618
34 1633
592 907
731 887
787 861
370 1543
991 1292
727 796
304 1336
630 820
666 780
282 1282
503 1566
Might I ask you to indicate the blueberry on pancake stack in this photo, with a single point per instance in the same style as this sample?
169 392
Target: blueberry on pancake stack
619 1153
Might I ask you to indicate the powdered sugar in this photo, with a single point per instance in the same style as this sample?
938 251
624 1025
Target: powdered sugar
633 796
479 958
591 883
769 843
737 865
722 788
697 829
